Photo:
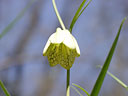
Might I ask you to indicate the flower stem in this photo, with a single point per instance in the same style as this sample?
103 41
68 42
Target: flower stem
68 83
58 15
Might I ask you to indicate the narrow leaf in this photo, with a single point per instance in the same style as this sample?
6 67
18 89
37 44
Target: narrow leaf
4 89
100 79
76 15
18 17
76 91
118 80
81 88
115 78
84 8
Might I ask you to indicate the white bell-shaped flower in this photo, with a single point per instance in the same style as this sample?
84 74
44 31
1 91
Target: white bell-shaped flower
61 48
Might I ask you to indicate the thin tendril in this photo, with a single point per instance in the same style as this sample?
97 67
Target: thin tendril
57 14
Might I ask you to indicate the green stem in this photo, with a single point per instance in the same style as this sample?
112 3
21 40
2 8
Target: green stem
68 82
57 14
68 78
4 89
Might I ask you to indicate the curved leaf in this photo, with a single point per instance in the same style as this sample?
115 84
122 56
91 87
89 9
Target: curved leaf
18 17
100 79
81 88
78 13
4 89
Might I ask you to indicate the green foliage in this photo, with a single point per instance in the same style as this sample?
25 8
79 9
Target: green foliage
100 79
78 13
76 90
115 78
81 89
18 17
4 89
7 29
76 16
118 80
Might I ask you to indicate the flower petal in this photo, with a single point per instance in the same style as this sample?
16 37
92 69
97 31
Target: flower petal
67 57
46 48
68 41
58 37
51 39
77 47
53 55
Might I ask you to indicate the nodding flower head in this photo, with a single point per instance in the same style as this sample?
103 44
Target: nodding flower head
61 48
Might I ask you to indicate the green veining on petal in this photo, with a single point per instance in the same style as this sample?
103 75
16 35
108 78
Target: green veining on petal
60 54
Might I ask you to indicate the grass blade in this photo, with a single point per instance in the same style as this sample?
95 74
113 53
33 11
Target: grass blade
115 78
81 88
118 80
84 8
100 79
76 91
76 15
18 17
4 89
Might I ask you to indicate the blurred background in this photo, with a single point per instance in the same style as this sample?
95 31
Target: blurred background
25 72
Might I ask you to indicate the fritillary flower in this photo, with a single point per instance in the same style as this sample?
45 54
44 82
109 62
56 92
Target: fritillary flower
61 48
